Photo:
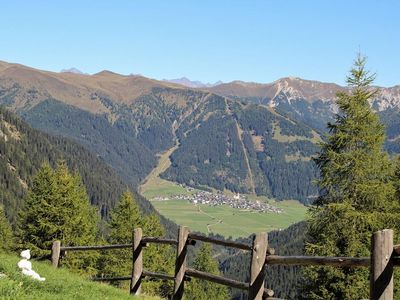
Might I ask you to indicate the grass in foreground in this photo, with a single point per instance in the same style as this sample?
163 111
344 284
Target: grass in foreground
59 284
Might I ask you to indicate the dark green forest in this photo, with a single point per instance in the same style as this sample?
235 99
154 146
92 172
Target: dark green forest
212 153
113 143
24 149
283 280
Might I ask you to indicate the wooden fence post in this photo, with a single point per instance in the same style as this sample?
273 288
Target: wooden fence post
137 260
257 268
55 253
382 265
180 266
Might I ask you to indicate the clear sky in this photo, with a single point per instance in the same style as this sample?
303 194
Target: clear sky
214 40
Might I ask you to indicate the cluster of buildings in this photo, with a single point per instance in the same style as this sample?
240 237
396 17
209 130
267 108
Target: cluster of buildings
215 199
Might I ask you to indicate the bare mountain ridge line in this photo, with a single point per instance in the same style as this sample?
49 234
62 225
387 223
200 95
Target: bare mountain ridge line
73 71
78 89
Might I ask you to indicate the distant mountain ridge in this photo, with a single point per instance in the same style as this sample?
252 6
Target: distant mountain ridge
294 88
192 84
132 86
72 70
245 137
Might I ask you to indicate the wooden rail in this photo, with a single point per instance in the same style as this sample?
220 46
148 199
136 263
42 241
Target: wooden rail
100 247
215 241
144 241
144 274
384 257
225 281
353 262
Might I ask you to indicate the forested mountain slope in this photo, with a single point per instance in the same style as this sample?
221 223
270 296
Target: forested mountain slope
24 149
283 280
245 148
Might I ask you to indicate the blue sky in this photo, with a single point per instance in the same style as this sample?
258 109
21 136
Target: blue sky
257 41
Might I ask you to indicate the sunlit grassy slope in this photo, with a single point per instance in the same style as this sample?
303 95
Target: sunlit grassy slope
59 284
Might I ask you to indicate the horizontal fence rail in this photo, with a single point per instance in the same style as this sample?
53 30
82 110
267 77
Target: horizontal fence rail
225 281
215 241
144 241
144 274
100 247
353 262
157 240
384 256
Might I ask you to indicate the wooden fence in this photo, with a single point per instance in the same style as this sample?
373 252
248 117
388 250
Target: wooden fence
384 257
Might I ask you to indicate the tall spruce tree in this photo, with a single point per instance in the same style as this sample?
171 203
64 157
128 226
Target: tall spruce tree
124 219
58 208
357 193
202 289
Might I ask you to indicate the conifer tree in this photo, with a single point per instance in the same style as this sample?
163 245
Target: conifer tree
357 193
158 258
202 289
58 208
6 234
124 219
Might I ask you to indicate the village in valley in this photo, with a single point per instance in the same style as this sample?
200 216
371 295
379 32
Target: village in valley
237 201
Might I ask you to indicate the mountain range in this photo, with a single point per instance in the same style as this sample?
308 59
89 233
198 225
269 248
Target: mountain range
72 70
192 84
245 137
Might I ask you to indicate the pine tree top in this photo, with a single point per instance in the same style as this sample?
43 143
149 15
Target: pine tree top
354 167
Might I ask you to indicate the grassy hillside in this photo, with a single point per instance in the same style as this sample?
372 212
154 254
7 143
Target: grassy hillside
59 284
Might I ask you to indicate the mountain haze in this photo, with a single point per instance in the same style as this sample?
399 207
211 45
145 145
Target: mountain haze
192 84
72 70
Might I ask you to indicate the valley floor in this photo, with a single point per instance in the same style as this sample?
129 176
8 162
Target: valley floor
222 219
229 221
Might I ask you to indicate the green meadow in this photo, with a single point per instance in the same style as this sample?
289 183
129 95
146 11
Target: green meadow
228 221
